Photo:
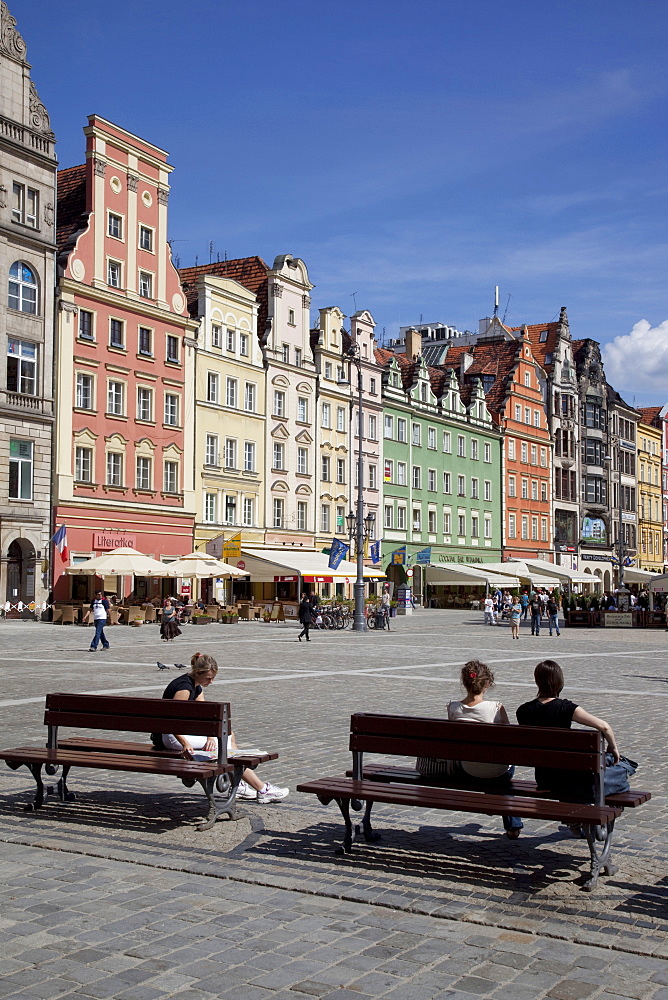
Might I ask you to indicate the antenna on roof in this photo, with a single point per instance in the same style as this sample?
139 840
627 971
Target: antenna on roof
196 260
496 301
353 297
218 257
210 251
505 311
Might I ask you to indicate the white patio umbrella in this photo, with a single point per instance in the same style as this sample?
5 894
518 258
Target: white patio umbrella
200 566
124 561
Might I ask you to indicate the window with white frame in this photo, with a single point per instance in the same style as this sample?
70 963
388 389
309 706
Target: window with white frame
487 452
302 461
230 453
84 392
145 341
298 357
373 477
278 512
325 472
230 341
474 449
230 508
447 482
278 456
488 490
211 450
525 489
389 516
512 526
248 511
461 525
512 485
518 413
115 226
114 274
22 288
172 349
447 442
534 529
249 397
328 370
291 317
116 333
171 477
171 409
143 473
388 471
388 425
488 526
402 435
243 346
373 427
249 456
116 398
543 529
324 517
146 239
461 446
417 477
475 526
524 452
417 435
543 491
461 486
302 515
536 418
431 438
543 457
340 520
231 387
340 418
145 285
372 386
431 480
216 336
511 448
475 488
326 415
401 518
447 522
286 354
83 464
86 324
525 527
279 403
340 470
527 415
212 387
25 205
534 489
401 474
211 507
417 519
527 379
302 409
431 522
534 455
114 468
144 403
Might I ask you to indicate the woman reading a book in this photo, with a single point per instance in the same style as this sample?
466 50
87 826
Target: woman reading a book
190 687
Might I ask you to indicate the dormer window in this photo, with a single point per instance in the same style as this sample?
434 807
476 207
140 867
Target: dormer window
543 336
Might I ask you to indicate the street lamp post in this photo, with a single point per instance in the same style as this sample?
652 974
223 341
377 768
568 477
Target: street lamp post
359 618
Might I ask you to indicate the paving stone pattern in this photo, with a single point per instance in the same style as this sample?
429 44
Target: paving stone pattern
443 906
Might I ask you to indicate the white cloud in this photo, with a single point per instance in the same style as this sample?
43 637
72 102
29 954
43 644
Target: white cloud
639 360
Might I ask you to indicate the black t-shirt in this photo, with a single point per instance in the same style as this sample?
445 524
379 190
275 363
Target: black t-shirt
183 683
556 714
552 607
536 606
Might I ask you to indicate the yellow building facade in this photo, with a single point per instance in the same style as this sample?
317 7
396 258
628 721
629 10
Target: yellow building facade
650 496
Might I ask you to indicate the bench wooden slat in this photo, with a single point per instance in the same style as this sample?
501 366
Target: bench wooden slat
116 762
148 750
142 707
136 715
460 801
487 752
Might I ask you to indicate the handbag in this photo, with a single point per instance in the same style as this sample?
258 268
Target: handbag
616 776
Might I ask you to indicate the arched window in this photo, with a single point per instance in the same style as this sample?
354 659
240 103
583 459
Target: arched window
22 288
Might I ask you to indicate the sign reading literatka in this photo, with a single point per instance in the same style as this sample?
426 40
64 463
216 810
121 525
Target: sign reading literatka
113 540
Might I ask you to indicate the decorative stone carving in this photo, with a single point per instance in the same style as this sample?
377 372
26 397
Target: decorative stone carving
49 213
39 116
163 196
306 301
133 182
3 196
277 290
99 166
10 39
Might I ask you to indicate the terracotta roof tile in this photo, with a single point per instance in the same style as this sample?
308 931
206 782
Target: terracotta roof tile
251 272
651 415
540 348
71 211
495 357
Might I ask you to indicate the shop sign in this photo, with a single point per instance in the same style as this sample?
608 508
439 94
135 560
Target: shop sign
113 540
241 564
618 619
589 557
185 590
285 579
442 557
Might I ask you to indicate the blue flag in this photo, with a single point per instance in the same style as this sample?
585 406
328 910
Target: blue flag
375 553
399 556
337 552
423 556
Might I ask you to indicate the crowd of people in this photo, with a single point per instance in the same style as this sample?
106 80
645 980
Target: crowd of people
539 604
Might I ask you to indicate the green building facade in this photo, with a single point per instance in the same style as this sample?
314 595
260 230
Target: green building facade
441 473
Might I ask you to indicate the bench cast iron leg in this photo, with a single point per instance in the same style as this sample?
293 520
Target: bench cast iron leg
369 835
36 770
64 794
349 835
600 858
228 805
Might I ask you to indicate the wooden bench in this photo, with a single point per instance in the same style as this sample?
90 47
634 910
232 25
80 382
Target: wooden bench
407 736
138 715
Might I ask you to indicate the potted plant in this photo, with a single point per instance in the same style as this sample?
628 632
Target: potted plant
136 622
201 619
233 617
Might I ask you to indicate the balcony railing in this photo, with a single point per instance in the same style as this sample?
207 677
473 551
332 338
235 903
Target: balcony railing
22 401
18 133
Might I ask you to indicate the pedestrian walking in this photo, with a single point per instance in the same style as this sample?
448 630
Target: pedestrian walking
100 608
515 611
490 613
536 609
553 615
306 614
524 601
169 628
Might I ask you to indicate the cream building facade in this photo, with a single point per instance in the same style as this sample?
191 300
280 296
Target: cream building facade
650 495
27 263
230 415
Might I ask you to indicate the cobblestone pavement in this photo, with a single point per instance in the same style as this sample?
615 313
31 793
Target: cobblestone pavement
444 905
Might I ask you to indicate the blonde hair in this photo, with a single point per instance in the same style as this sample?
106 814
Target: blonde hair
476 677
202 663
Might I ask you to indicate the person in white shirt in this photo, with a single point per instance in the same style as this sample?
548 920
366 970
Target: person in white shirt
490 613
100 608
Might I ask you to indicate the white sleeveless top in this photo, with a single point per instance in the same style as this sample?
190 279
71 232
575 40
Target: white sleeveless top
486 711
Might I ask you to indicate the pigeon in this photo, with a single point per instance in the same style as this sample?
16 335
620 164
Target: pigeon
162 666
180 666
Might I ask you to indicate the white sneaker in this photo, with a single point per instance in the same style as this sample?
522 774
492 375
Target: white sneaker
272 794
244 791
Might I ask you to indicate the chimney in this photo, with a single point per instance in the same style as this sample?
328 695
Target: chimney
465 362
484 324
413 344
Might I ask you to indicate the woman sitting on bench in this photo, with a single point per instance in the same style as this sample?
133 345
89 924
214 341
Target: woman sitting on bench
477 679
188 687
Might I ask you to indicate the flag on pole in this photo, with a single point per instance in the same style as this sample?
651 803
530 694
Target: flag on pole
60 542
423 557
337 552
399 556
375 553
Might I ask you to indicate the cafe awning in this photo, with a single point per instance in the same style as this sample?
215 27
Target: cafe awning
124 561
659 583
463 575
526 574
632 574
286 565
552 569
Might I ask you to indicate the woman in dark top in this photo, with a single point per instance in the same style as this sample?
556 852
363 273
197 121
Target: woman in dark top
169 628
189 687
548 709
306 615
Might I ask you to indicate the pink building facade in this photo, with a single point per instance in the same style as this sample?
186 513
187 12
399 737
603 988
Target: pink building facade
125 349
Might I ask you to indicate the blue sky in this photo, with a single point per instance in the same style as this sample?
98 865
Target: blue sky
413 154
